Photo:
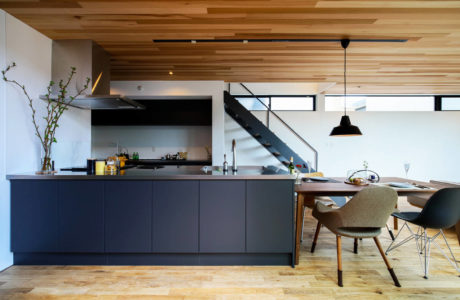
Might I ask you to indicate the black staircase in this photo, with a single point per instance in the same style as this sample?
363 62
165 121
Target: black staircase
265 136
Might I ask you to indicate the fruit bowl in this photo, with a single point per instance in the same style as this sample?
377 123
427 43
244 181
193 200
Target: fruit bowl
357 181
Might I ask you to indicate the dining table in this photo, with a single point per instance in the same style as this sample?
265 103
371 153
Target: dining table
308 189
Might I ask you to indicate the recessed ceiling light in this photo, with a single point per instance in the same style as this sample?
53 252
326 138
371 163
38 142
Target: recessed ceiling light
171 73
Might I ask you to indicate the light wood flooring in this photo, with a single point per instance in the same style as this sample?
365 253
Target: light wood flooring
365 277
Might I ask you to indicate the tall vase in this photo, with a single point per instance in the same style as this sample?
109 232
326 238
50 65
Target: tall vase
46 165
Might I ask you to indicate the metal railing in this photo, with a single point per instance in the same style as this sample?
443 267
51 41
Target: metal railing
315 152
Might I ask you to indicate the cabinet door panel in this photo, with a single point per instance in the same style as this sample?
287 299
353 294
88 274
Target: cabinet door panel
269 216
128 216
175 216
81 216
222 216
34 216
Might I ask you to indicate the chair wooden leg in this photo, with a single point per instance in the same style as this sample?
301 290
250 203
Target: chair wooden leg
387 263
355 246
339 261
395 220
315 239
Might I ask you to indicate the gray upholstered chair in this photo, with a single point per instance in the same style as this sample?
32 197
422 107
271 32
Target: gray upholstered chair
362 217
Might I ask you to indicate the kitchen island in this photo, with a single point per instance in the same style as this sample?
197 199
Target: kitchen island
168 216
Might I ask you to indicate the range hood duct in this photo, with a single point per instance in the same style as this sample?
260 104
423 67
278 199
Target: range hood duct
91 61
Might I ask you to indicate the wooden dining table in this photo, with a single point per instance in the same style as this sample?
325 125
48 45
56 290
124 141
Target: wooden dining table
307 191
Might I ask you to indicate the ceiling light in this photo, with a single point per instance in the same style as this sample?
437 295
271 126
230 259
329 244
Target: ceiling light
345 128
171 73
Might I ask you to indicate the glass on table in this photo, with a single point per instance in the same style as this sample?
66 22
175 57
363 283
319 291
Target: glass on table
406 168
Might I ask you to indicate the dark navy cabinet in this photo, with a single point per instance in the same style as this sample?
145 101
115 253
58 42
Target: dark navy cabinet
81 216
269 216
34 216
222 216
128 216
175 216
152 222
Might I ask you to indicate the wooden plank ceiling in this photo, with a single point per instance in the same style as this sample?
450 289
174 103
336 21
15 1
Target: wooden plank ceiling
428 63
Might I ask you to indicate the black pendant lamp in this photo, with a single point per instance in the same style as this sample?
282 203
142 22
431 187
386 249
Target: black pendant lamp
345 128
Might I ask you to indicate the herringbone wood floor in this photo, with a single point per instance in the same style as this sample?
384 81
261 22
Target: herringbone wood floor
365 277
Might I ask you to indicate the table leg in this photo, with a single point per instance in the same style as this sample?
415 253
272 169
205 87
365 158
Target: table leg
298 226
302 200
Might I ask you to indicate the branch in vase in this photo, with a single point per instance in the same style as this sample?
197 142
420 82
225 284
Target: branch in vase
54 110
34 121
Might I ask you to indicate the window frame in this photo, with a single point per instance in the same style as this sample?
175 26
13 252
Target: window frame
281 96
438 102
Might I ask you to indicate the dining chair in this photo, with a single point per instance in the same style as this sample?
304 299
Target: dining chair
442 210
361 217
330 201
419 200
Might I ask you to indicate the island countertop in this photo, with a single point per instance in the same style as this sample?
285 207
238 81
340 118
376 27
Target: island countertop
164 216
166 173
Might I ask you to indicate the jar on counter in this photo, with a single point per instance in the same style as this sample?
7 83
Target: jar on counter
100 167
111 167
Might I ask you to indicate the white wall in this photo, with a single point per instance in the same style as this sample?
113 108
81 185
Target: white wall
6 258
20 149
152 142
184 88
429 141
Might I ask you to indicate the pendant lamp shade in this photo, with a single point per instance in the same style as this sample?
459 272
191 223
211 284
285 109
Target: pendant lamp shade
345 128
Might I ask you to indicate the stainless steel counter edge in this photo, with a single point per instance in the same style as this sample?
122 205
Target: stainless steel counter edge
149 177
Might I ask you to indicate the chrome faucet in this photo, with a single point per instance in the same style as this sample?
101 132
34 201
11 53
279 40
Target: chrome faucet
234 167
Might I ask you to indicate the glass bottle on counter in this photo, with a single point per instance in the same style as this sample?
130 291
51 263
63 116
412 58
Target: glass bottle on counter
225 167
135 155
291 167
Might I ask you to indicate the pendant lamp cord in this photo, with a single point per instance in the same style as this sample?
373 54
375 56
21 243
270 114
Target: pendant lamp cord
345 81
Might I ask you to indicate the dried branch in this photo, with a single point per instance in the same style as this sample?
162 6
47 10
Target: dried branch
34 112
54 109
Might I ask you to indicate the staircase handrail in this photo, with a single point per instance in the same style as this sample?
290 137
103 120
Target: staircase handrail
286 125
